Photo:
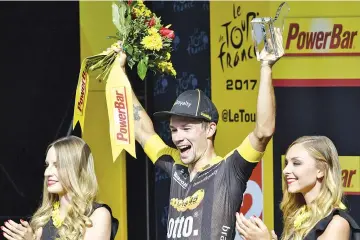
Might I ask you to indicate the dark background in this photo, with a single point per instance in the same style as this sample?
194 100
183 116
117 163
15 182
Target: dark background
39 48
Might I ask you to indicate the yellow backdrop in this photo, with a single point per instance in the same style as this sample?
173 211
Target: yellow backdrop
95 26
320 67
235 79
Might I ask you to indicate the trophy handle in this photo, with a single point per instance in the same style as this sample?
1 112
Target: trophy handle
277 14
281 27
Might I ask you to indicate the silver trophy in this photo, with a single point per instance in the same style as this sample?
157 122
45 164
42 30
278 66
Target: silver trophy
267 36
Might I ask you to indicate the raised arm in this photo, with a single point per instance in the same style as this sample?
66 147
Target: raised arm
144 127
265 110
154 147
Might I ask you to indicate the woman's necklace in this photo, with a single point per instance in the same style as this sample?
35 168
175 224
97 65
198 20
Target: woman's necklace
55 215
301 218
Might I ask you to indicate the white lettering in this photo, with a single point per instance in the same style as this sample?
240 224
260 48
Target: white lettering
170 227
180 181
206 178
224 233
181 227
175 227
188 226
182 103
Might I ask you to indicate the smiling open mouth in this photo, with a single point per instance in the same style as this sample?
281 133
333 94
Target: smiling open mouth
184 148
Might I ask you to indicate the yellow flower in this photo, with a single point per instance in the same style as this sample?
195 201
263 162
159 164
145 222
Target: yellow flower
152 31
147 12
163 65
168 56
152 42
138 11
141 10
167 67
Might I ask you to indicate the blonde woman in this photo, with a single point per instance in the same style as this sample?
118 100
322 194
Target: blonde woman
312 203
68 209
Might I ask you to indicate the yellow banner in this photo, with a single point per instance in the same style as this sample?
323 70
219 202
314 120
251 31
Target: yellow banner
350 167
234 87
111 175
120 112
81 97
322 36
119 103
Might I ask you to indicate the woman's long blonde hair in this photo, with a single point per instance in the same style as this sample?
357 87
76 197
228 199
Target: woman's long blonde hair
77 176
324 152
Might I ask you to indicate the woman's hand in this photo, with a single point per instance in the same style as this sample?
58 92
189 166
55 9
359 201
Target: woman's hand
17 231
253 229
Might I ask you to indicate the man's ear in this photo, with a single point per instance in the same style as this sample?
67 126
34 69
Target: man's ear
211 129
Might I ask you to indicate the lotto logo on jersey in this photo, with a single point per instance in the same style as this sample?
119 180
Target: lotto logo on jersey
181 227
189 203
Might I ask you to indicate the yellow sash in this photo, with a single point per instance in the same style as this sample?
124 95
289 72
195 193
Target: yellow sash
118 100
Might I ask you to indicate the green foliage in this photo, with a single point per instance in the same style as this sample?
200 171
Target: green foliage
139 31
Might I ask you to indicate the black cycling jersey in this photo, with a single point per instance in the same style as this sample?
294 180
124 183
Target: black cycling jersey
205 207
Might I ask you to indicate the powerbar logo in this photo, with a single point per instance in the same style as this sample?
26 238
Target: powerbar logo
350 166
82 89
121 116
338 37
322 36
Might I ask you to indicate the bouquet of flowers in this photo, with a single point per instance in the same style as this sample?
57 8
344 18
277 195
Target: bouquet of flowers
148 45
141 35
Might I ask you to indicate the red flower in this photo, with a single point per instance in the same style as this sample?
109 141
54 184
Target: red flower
165 32
152 22
129 2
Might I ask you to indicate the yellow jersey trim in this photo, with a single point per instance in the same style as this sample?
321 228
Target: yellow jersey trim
156 148
247 151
